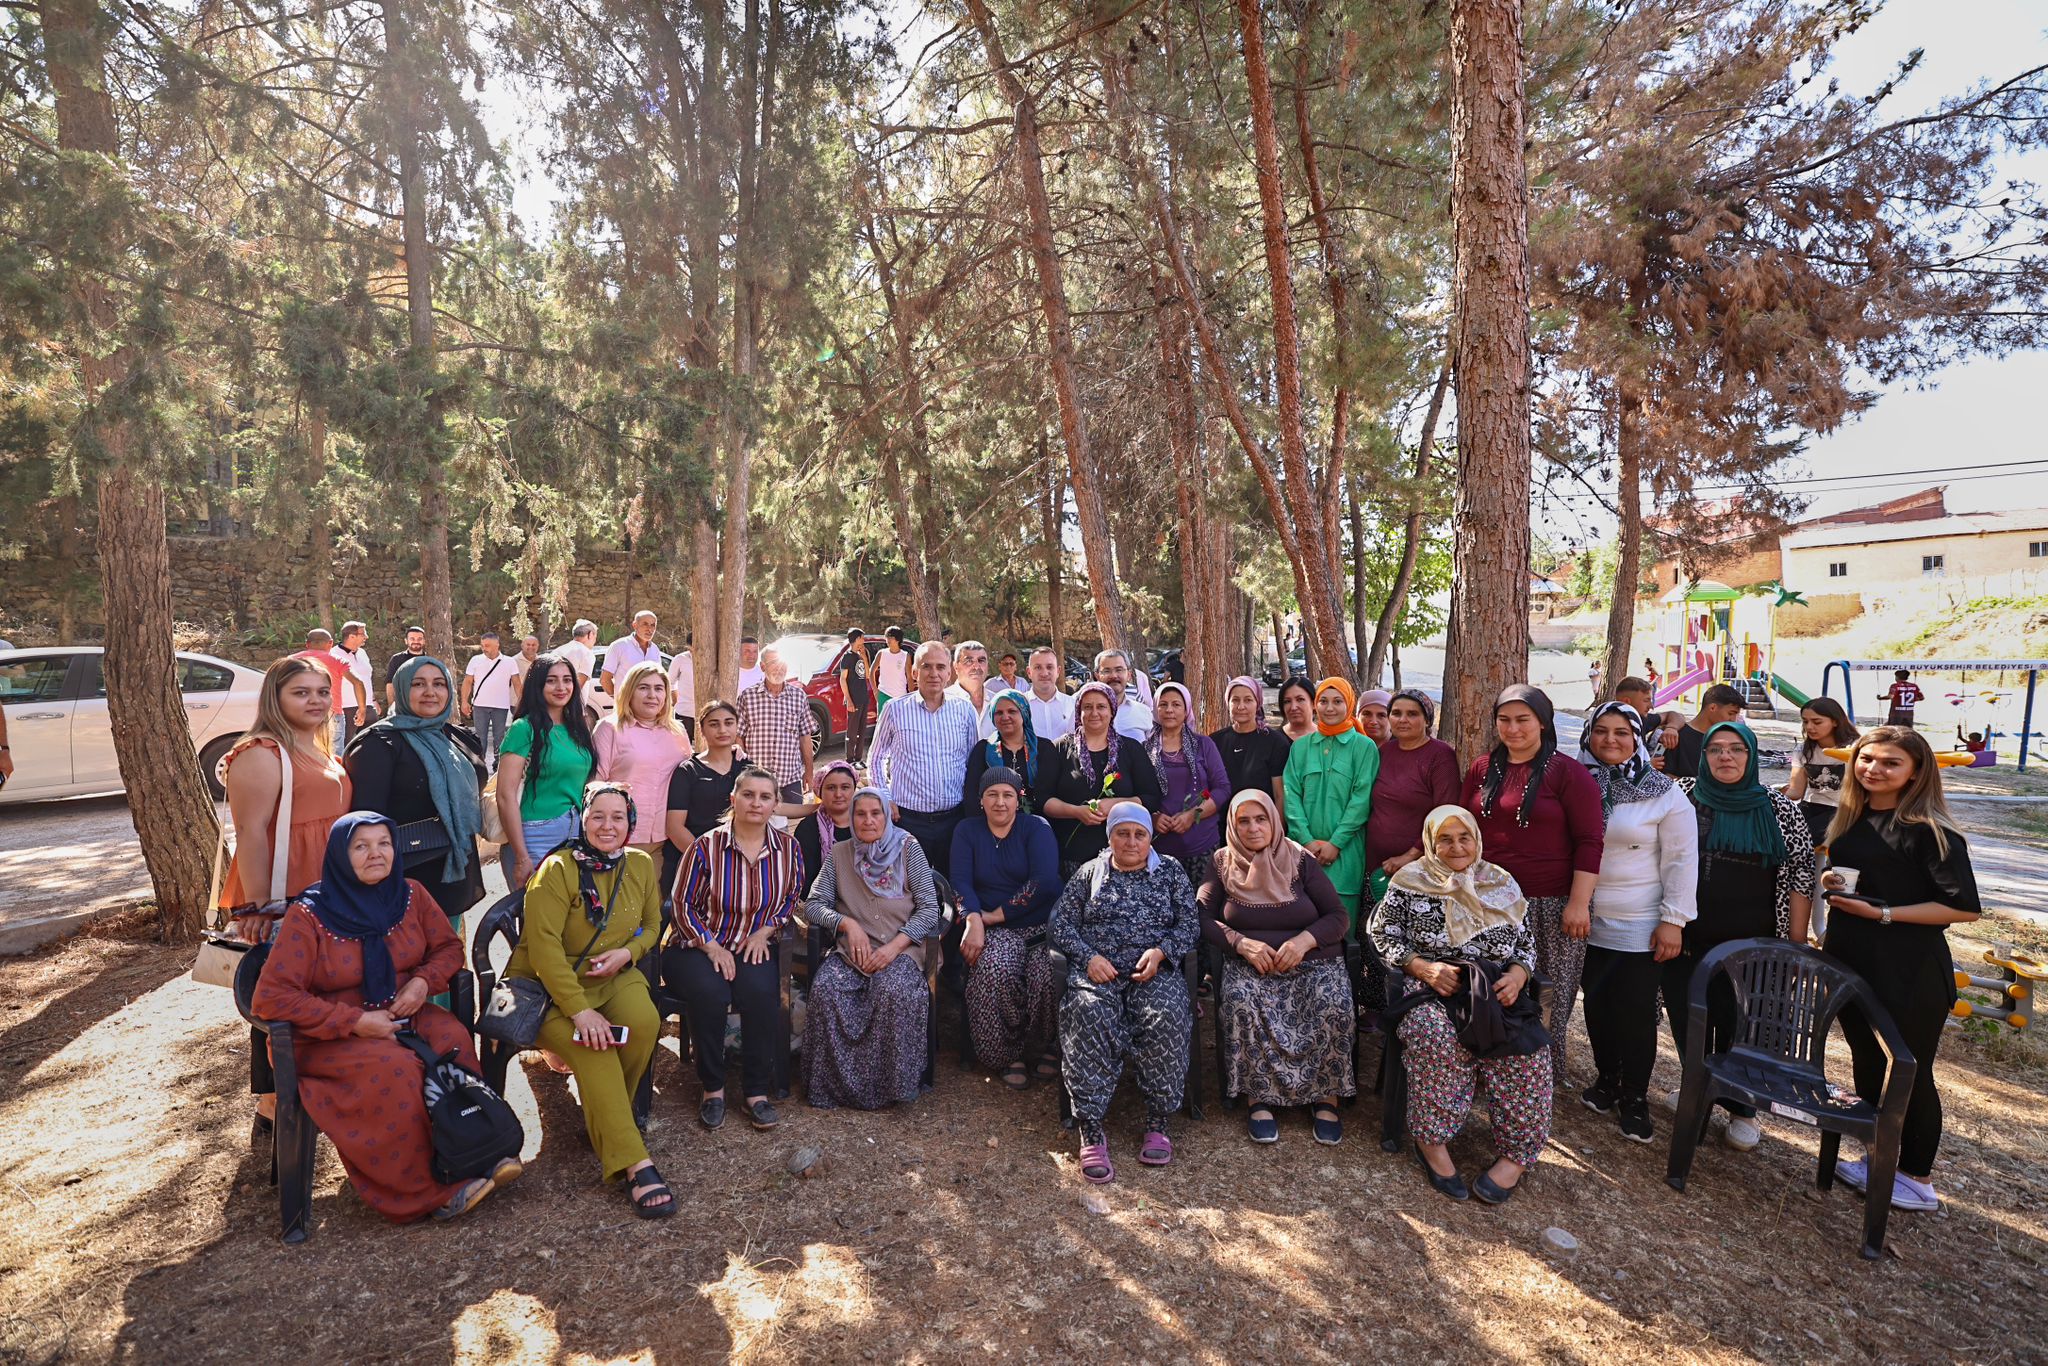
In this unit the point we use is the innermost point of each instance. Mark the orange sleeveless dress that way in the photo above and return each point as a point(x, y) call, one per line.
point(320, 796)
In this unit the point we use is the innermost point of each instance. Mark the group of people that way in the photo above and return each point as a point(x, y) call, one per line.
point(1089, 842)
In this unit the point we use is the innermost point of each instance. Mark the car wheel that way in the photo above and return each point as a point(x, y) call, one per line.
point(822, 715)
point(213, 765)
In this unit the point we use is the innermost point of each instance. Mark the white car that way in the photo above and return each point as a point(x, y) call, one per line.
point(597, 703)
point(62, 743)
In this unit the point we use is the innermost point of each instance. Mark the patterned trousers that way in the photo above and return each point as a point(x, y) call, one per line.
point(1103, 1023)
point(1013, 995)
point(1443, 1078)
point(1562, 961)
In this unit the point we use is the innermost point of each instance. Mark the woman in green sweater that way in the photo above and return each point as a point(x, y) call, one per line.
point(1328, 782)
point(593, 910)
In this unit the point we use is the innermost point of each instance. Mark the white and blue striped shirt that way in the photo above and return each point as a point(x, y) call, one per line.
point(919, 756)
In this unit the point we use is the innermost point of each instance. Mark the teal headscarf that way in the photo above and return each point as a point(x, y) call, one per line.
point(451, 774)
point(1744, 820)
point(995, 746)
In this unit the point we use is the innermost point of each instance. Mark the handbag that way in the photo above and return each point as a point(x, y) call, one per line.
point(419, 841)
point(220, 951)
point(518, 1005)
point(472, 1127)
point(491, 822)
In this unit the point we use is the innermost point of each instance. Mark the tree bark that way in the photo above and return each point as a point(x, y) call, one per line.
point(1059, 337)
point(1488, 645)
point(1177, 387)
point(67, 565)
point(707, 652)
point(1368, 678)
point(1053, 509)
point(924, 599)
point(1386, 630)
point(321, 545)
point(174, 819)
point(1628, 559)
point(1322, 606)
point(914, 535)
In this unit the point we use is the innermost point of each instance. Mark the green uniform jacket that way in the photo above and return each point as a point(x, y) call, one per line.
point(556, 929)
point(1329, 794)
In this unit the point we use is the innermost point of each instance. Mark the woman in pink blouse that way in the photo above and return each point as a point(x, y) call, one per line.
point(640, 744)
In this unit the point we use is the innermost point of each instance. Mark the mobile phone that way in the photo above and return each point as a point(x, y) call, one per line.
point(619, 1033)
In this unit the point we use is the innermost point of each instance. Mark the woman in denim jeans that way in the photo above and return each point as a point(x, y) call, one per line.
point(543, 764)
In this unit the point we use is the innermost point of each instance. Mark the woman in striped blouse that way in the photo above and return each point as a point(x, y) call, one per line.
point(741, 883)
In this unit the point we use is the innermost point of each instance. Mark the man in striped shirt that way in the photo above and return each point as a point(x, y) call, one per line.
point(920, 753)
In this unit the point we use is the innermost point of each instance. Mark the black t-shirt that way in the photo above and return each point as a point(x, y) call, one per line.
point(853, 671)
point(810, 838)
point(1253, 759)
point(397, 662)
point(1737, 900)
point(387, 776)
point(1899, 863)
point(703, 795)
point(1684, 761)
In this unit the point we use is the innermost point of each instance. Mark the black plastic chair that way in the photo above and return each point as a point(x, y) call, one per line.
point(1787, 997)
point(1191, 1092)
point(1214, 957)
point(293, 1133)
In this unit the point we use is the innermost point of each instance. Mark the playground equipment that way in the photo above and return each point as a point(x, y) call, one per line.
point(1990, 699)
point(1710, 633)
point(2014, 985)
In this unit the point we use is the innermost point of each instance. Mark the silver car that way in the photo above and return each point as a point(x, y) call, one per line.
point(62, 742)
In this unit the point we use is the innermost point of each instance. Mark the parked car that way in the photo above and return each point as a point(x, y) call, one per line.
point(813, 660)
point(62, 742)
point(1275, 675)
point(1166, 666)
point(597, 703)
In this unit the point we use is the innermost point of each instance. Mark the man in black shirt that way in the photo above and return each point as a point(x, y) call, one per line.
point(1717, 704)
point(853, 690)
point(415, 645)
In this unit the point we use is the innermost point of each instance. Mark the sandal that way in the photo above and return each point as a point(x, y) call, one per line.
point(1015, 1077)
point(1156, 1150)
point(644, 1186)
point(1262, 1126)
point(1095, 1163)
point(1048, 1068)
point(465, 1199)
point(507, 1171)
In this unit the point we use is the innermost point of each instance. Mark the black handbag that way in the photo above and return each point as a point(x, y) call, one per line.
point(518, 1005)
point(419, 841)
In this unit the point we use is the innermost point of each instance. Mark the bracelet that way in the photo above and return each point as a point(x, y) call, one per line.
point(1884, 915)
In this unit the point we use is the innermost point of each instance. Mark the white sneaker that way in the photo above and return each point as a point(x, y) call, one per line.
point(1742, 1134)
point(1855, 1175)
point(1915, 1195)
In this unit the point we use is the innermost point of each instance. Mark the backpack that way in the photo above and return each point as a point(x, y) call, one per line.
point(474, 1129)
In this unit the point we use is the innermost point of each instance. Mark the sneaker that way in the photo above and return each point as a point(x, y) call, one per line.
point(1855, 1175)
point(1915, 1195)
point(1742, 1133)
point(1635, 1120)
point(1601, 1097)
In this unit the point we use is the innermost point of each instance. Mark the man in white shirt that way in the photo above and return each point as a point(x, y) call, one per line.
point(682, 688)
point(750, 662)
point(581, 651)
point(1006, 673)
point(529, 650)
point(487, 696)
point(1052, 711)
point(970, 682)
point(892, 669)
point(354, 652)
point(637, 648)
point(1133, 716)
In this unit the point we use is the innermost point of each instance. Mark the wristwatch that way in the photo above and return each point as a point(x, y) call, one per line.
point(1884, 915)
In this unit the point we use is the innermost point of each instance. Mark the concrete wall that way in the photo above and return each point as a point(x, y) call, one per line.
point(1992, 564)
point(1756, 566)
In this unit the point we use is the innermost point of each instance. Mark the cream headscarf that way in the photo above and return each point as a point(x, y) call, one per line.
point(1267, 877)
point(1482, 896)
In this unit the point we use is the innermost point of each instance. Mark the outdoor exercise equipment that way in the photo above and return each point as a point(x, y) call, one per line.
point(1989, 696)
point(2014, 986)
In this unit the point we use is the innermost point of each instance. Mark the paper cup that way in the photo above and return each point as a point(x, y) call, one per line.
point(1848, 878)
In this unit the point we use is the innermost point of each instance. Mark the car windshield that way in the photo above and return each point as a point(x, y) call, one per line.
point(806, 655)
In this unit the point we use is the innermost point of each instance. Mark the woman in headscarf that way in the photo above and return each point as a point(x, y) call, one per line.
point(831, 820)
point(427, 774)
point(593, 911)
point(1254, 753)
point(867, 1011)
point(1418, 773)
point(1014, 744)
point(1097, 769)
point(1539, 815)
point(1329, 784)
point(1297, 708)
point(1649, 871)
point(1192, 778)
point(1372, 714)
point(1756, 880)
point(1445, 915)
point(1006, 866)
point(1124, 923)
point(1285, 993)
point(359, 951)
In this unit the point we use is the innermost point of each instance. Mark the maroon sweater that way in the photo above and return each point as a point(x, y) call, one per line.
point(1565, 830)
point(1315, 907)
point(1412, 783)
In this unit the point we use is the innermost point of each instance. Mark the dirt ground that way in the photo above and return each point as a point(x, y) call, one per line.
point(139, 1227)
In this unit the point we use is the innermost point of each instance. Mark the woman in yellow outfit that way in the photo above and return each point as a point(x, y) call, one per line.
point(593, 910)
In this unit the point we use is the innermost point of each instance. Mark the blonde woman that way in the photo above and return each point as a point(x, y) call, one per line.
point(639, 746)
point(293, 734)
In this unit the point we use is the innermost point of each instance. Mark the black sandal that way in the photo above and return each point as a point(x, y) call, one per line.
point(1015, 1077)
point(643, 1186)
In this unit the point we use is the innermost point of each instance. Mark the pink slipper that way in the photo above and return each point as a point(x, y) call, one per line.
point(1156, 1150)
point(1095, 1164)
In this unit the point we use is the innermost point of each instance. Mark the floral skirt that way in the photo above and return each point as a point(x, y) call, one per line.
point(1288, 1036)
point(864, 1037)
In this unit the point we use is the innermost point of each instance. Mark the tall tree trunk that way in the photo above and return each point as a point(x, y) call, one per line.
point(67, 565)
point(1488, 645)
point(1628, 559)
point(1368, 679)
point(738, 428)
point(707, 650)
point(914, 535)
point(1322, 606)
point(322, 539)
point(1053, 516)
point(1177, 387)
point(1059, 337)
point(1391, 611)
point(924, 599)
point(174, 820)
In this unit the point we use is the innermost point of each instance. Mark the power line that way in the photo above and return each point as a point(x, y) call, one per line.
point(1840, 483)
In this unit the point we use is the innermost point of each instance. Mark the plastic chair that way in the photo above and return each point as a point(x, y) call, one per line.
point(293, 1133)
point(1786, 999)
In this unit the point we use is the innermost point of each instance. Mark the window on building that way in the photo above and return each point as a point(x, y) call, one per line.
point(2037, 550)
point(1838, 569)
point(1933, 566)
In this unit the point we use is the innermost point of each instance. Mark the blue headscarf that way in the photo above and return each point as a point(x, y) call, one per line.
point(361, 912)
point(995, 744)
point(451, 773)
